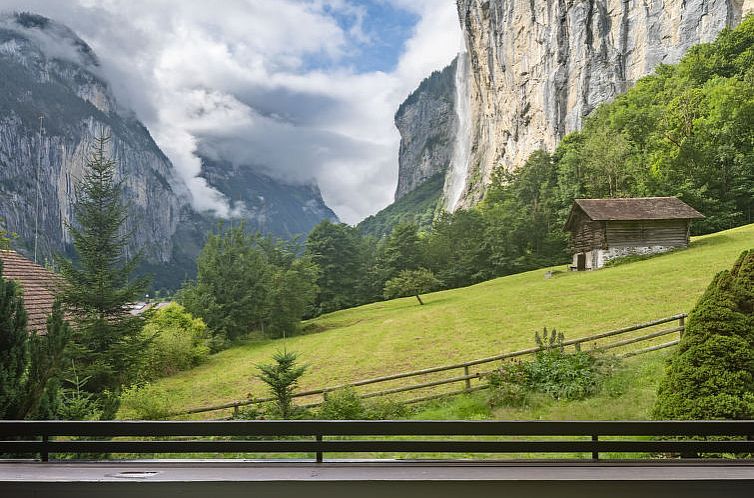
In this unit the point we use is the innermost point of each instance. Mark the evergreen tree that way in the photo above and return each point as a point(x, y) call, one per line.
point(29, 363)
point(402, 250)
point(711, 375)
point(107, 347)
point(47, 354)
point(14, 351)
point(294, 291)
point(336, 250)
point(282, 379)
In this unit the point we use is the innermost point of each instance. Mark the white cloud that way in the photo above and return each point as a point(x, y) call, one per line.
point(233, 79)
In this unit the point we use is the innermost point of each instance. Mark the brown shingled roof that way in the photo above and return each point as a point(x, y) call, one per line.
point(38, 284)
point(637, 208)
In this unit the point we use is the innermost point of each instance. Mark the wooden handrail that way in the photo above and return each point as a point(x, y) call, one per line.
point(687, 438)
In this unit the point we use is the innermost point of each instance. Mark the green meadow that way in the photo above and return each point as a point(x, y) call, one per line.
point(481, 320)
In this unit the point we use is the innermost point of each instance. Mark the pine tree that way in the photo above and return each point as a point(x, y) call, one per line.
point(14, 351)
point(29, 363)
point(282, 379)
point(98, 287)
point(46, 357)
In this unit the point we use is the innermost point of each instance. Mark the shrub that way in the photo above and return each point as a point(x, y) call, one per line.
point(711, 375)
point(384, 409)
point(178, 342)
point(144, 403)
point(553, 371)
point(343, 404)
point(346, 404)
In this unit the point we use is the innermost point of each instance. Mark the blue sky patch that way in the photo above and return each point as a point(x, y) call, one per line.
point(387, 29)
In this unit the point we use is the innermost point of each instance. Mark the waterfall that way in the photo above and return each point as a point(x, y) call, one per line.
point(455, 182)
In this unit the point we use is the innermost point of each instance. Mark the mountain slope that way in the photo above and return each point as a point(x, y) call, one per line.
point(47, 71)
point(268, 205)
point(477, 321)
point(75, 104)
point(417, 206)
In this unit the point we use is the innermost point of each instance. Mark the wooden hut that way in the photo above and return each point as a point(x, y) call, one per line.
point(605, 229)
point(38, 283)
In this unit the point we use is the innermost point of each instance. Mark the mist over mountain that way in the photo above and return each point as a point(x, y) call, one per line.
point(53, 100)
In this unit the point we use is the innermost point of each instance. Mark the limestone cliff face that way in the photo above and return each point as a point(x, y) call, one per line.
point(427, 122)
point(48, 71)
point(540, 67)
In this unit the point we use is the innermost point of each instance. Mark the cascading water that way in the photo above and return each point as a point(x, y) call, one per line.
point(455, 182)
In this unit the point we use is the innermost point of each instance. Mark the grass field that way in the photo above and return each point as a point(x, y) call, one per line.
point(460, 324)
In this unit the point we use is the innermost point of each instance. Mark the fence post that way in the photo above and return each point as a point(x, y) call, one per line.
point(682, 325)
point(320, 455)
point(466, 373)
point(235, 411)
point(595, 454)
point(45, 453)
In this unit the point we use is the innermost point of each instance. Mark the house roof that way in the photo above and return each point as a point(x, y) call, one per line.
point(38, 284)
point(635, 208)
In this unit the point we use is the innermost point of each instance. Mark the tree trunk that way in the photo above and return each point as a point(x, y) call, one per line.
point(419, 299)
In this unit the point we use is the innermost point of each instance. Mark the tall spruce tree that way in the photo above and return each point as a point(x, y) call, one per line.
point(107, 346)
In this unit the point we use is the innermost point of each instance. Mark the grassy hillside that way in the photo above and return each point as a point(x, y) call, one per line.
point(494, 316)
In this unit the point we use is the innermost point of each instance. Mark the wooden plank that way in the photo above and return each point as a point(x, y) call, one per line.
point(14, 429)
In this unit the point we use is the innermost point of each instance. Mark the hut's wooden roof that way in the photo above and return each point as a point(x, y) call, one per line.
point(38, 284)
point(634, 208)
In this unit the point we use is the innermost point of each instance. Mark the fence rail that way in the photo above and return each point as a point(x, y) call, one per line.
point(467, 376)
point(319, 437)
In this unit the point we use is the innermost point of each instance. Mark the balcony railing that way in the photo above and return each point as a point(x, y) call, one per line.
point(315, 438)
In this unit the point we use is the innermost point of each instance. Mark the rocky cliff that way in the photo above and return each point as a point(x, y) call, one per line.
point(427, 123)
point(538, 68)
point(47, 71)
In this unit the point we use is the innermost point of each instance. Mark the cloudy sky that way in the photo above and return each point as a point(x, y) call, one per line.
point(304, 90)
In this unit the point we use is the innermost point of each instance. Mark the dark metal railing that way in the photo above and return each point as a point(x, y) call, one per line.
point(680, 438)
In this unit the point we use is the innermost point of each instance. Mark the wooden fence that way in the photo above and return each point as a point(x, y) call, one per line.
point(434, 382)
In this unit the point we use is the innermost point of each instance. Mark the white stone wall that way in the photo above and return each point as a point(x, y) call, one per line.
point(597, 258)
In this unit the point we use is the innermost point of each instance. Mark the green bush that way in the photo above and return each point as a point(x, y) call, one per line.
point(343, 404)
point(509, 394)
point(346, 404)
point(384, 409)
point(144, 403)
point(178, 342)
point(711, 375)
point(553, 371)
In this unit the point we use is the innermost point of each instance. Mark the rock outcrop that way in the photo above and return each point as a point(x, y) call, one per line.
point(427, 122)
point(540, 67)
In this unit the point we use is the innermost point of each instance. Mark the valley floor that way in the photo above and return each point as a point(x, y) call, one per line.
point(485, 319)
